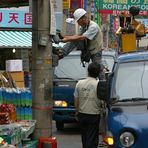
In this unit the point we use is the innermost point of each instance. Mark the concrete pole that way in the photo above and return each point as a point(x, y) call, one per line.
point(88, 8)
point(42, 72)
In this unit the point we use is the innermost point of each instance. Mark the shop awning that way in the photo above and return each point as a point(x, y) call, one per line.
point(15, 39)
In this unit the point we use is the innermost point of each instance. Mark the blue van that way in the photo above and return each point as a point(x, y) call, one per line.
point(126, 93)
point(66, 75)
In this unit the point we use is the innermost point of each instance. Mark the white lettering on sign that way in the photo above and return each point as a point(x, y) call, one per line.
point(123, 7)
point(108, 1)
point(135, 1)
point(117, 12)
point(121, 1)
point(146, 2)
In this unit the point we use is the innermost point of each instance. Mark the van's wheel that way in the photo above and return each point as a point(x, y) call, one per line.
point(59, 125)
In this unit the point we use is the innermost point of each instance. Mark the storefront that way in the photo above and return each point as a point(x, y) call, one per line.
point(15, 36)
point(16, 123)
point(15, 45)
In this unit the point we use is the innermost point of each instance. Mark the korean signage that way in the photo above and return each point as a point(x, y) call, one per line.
point(120, 5)
point(15, 19)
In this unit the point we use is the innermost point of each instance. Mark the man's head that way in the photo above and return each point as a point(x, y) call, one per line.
point(94, 69)
point(79, 13)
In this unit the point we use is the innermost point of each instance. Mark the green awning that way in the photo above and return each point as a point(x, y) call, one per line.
point(15, 39)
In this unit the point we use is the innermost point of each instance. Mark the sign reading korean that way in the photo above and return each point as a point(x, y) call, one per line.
point(15, 19)
point(120, 5)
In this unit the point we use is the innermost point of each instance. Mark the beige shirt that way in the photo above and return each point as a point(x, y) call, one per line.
point(86, 92)
point(94, 35)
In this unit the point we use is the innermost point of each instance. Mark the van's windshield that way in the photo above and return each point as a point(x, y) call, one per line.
point(108, 62)
point(70, 67)
point(131, 81)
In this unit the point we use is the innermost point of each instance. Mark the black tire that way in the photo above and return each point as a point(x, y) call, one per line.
point(59, 125)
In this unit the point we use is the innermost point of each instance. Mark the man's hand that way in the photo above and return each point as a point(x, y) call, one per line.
point(65, 39)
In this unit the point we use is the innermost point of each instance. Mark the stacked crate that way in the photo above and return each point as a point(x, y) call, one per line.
point(18, 78)
point(15, 69)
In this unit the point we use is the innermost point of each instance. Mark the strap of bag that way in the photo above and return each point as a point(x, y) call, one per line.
point(85, 46)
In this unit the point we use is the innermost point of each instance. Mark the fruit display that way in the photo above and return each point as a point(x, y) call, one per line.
point(4, 118)
point(7, 113)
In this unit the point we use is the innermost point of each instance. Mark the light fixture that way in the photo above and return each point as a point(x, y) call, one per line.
point(59, 103)
point(13, 50)
point(127, 139)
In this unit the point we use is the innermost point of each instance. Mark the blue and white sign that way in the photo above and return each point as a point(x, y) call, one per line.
point(15, 19)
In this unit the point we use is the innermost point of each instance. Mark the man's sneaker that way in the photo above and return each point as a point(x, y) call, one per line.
point(58, 52)
point(60, 36)
point(56, 39)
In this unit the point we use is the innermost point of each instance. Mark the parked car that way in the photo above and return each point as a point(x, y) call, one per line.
point(66, 75)
point(127, 101)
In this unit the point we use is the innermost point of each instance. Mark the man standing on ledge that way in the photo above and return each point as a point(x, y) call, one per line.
point(89, 40)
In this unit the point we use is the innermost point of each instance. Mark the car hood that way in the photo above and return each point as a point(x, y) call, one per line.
point(131, 115)
point(133, 118)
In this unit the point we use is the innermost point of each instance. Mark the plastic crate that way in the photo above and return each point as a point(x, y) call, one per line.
point(51, 140)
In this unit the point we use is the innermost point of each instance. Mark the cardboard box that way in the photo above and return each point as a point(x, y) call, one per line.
point(14, 65)
point(20, 84)
point(17, 76)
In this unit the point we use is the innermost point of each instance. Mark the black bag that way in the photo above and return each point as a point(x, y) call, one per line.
point(85, 55)
point(102, 90)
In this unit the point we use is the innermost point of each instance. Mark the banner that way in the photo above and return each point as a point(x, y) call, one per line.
point(15, 19)
point(113, 6)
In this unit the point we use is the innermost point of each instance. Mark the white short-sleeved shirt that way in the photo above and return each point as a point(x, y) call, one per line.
point(86, 90)
point(94, 35)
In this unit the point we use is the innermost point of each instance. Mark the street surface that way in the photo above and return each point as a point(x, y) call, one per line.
point(69, 137)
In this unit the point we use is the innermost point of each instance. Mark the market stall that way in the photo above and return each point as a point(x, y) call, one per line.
point(17, 133)
point(16, 124)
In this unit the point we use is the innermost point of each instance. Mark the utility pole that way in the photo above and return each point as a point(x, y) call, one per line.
point(42, 72)
point(88, 8)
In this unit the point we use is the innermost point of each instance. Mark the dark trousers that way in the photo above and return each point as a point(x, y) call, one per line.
point(89, 125)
